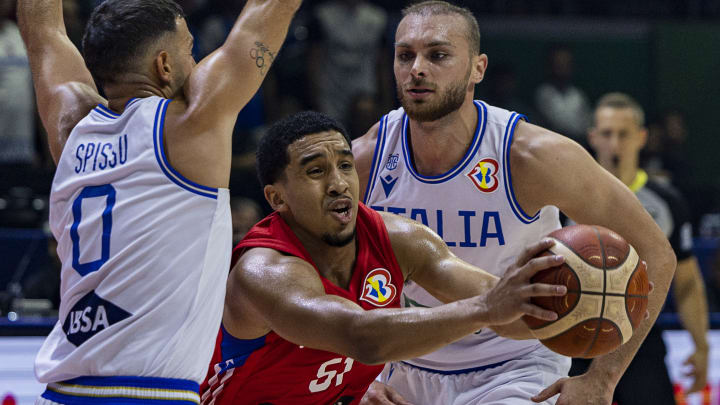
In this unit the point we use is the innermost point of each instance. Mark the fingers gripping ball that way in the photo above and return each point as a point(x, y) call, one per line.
point(607, 292)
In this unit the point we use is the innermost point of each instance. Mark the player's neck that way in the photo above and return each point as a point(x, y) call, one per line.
point(438, 146)
point(628, 172)
point(334, 263)
point(133, 86)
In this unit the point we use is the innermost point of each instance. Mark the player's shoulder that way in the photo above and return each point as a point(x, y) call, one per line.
point(264, 261)
point(495, 116)
point(404, 231)
point(533, 141)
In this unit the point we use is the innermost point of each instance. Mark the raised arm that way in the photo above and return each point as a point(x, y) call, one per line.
point(270, 291)
point(549, 169)
point(64, 89)
point(222, 83)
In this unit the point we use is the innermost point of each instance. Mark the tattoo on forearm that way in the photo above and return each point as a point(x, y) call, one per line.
point(263, 57)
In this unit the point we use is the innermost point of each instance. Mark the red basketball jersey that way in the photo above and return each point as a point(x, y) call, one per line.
point(272, 370)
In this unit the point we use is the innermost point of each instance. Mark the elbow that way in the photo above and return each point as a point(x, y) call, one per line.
point(666, 264)
point(367, 350)
point(366, 345)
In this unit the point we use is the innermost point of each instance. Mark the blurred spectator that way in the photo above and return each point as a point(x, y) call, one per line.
point(44, 282)
point(652, 155)
point(17, 104)
point(245, 213)
point(563, 107)
point(675, 158)
point(347, 51)
point(363, 114)
point(503, 91)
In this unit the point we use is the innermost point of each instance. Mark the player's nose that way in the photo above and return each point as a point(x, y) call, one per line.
point(337, 182)
point(419, 67)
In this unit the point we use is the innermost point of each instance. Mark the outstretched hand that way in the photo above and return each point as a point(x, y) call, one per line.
point(510, 298)
point(580, 390)
point(698, 362)
point(381, 394)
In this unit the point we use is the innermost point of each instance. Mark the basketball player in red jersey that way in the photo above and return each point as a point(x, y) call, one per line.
point(300, 325)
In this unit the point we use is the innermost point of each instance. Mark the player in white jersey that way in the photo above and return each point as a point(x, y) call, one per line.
point(139, 204)
point(487, 181)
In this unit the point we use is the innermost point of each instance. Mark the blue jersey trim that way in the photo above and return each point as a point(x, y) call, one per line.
point(509, 192)
point(460, 166)
point(103, 113)
point(375, 166)
point(93, 385)
point(73, 400)
point(131, 102)
point(108, 111)
point(138, 382)
point(239, 349)
point(169, 171)
point(455, 372)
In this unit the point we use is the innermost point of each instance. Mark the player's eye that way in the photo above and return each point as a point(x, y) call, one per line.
point(404, 56)
point(439, 55)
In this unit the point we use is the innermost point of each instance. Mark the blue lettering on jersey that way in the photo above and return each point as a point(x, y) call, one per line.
point(490, 225)
point(495, 217)
point(90, 315)
point(103, 155)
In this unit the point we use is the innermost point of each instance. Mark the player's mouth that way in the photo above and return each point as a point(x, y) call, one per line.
point(419, 92)
point(341, 210)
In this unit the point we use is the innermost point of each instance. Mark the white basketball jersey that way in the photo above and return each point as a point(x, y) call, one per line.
point(145, 254)
point(472, 207)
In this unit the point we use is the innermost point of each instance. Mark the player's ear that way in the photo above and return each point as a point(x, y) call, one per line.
point(163, 70)
point(480, 64)
point(274, 197)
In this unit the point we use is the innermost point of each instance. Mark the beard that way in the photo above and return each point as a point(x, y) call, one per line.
point(338, 240)
point(450, 101)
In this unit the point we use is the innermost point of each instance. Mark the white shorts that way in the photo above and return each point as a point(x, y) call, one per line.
point(511, 383)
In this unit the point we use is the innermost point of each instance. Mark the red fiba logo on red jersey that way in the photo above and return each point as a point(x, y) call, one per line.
point(484, 175)
point(378, 289)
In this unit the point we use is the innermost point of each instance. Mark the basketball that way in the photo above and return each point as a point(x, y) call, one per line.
point(607, 292)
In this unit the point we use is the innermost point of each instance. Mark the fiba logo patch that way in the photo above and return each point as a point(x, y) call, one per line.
point(392, 161)
point(378, 289)
point(484, 175)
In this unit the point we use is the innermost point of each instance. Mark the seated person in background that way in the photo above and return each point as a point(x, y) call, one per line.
point(299, 325)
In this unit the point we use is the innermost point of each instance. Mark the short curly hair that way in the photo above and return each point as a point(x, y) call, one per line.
point(272, 156)
point(119, 31)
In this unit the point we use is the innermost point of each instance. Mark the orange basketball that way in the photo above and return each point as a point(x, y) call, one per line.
point(607, 294)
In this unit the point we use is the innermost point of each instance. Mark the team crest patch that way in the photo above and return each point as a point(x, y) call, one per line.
point(484, 175)
point(378, 288)
point(392, 161)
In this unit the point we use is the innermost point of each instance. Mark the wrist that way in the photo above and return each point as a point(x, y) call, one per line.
point(480, 312)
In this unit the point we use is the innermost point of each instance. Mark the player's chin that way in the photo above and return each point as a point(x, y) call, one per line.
point(341, 238)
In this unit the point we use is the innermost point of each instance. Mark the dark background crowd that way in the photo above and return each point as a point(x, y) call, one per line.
point(549, 59)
